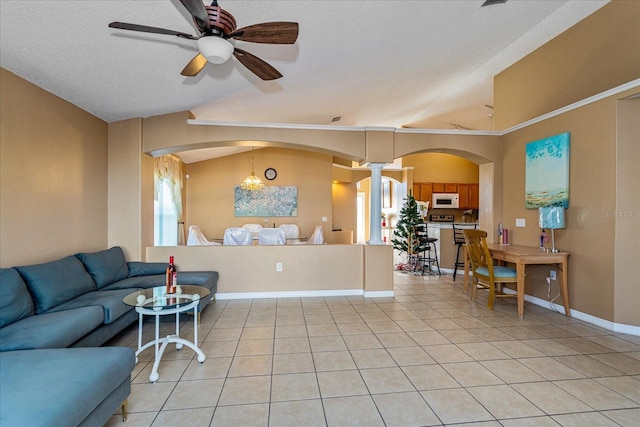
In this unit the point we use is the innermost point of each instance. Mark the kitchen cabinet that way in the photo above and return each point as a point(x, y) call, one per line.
point(463, 192)
point(444, 187)
point(426, 191)
point(469, 196)
point(416, 191)
point(469, 193)
point(422, 191)
point(474, 196)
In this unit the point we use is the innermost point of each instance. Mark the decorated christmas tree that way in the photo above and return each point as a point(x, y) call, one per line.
point(405, 239)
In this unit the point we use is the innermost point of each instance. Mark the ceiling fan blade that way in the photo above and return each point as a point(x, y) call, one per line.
point(194, 66)
point(145, 29)
point(256, 65)
point(197, 10)
point(492, 2)
point(268, 32)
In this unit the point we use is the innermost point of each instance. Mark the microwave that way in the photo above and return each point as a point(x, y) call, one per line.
point(445, 200)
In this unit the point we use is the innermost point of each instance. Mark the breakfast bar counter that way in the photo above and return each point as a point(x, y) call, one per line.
point(443, 231)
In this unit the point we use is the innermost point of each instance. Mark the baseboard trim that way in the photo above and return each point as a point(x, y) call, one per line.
point(379, 294)
point(303, 294)
point(605, 324)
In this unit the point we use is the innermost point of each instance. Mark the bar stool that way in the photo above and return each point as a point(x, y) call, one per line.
point(427, 243)
point(458, 240)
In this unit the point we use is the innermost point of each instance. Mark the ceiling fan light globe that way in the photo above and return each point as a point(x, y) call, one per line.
point(216, 49)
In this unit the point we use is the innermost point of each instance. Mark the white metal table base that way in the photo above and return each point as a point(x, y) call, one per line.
point(180, 342)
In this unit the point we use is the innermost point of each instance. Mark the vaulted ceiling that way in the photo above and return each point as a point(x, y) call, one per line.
point(422, 64)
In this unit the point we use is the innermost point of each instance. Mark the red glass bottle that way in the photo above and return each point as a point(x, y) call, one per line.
point(171, 278)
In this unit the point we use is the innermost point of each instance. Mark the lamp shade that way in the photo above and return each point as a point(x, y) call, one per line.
point(551, 217)
point(216, 49)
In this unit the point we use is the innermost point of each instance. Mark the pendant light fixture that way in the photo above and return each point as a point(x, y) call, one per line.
point(252, 182)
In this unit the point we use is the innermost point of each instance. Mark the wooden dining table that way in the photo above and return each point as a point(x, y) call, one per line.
point(522, 256)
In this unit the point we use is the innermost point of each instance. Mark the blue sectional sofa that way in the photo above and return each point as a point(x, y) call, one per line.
point(75, 301)
point(64, 386)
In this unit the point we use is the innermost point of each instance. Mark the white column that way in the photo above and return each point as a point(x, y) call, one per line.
point(375, 209)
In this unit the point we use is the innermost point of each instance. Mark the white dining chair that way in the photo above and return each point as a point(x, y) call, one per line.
point(254, 228)
point(291, 231)
point(238, 236)
point(316, 238)
point(197, 238)
point(271, 236)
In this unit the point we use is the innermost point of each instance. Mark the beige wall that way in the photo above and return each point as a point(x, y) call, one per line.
point(627, 213)
point(130, 178)
point(343, 203)
point(210, 189)
point(53, 176)
point(441, 167)
point(252, 269)
point(588, 236)
point(171, 132)
point(377, 276)
point(599, 53)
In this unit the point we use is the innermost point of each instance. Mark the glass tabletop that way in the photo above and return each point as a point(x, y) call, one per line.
point(158, 298)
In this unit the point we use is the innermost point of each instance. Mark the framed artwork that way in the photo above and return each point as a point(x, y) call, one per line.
point(271, 201)
point(386, 193)
point(547, 172)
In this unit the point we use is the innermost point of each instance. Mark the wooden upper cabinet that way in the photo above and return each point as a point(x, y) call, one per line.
point(416, 191)
point(474, 196)
point(469, 196)
point(438, 187)
point(426, 190)
point(422, 191)
point(469, 193)
point(445, 187)
point(463, 191)
point(451, 188)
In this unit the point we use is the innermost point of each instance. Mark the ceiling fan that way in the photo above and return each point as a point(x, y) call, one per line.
point(216, 26)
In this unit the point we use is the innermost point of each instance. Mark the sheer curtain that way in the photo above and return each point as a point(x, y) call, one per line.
point(169, 169)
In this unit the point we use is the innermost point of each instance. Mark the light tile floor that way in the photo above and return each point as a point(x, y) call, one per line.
point(428, 356)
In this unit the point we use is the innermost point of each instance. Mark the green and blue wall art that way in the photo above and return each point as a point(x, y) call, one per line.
point(271, 201)
point(547, 172)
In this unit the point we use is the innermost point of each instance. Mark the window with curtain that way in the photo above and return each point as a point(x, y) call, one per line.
point(168, 181)
point(165, 227)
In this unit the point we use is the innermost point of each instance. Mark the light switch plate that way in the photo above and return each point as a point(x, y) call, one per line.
point(521, 222)
point(324, 219)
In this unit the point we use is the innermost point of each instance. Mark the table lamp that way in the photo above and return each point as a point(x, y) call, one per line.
point(551, 217)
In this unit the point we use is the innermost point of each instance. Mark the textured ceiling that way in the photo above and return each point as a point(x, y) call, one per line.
point(424, 64)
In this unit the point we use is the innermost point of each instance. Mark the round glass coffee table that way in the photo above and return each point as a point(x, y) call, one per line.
point(156, 302)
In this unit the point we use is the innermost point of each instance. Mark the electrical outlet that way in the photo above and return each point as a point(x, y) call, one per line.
point(324, 219)
point(521, 222)
point(278, 266)
point(552, 274)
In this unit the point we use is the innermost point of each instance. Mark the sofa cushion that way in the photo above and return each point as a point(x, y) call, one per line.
point(51, 330)
point(56, 282)
point(140, 282)
point(146, 268)
point(106, 267)
point(109, 300)
point(63, 387)
point(208, 279)
point(16, 302)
